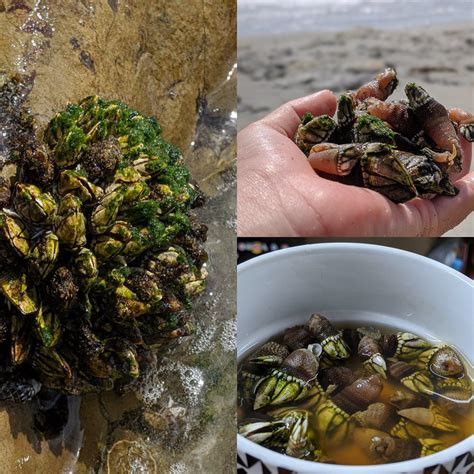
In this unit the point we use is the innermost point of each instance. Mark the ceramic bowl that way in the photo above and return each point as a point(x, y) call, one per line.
point(359, 283)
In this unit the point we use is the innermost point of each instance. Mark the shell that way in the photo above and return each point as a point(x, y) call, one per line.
point(380, 88)
point(369, 352)
point(410, 376)
point(434, 119)
point(443, 362)
point(432, 417)
point(329, 337)
point(337, 376)
point(297, 337)
point(359, 394)
point(389, 449)
point(380, 416)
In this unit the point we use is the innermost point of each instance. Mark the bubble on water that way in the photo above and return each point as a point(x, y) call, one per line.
point(204, 337)
point(178, 468)
point(130, 456)
point(228, 336)
point(151, 388)
point(192, 379)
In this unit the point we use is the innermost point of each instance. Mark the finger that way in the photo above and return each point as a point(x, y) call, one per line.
point(466, 166)
point(286, 118)
point(453, 210)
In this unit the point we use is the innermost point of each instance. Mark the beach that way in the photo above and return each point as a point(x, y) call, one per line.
point(279, 68)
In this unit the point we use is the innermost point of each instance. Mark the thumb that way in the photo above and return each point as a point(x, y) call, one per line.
point(286, 118)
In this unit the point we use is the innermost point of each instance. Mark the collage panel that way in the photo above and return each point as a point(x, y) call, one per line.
point(355, 118)
point(117, 236)
point(354, 355)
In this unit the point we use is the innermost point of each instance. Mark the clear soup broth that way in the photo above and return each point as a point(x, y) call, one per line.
point(336, 424)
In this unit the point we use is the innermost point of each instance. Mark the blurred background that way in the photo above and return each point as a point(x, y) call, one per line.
point(291, 48)
point(458, 253)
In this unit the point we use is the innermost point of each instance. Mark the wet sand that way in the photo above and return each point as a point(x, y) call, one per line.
point(273, 70)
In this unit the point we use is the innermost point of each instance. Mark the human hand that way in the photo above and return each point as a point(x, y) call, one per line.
point(279, 193)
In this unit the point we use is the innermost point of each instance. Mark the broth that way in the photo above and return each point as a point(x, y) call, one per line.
point(353, 451)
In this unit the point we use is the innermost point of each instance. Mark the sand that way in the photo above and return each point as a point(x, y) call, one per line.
point(273, 70)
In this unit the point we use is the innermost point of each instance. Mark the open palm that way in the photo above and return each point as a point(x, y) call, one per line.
point(279, 194)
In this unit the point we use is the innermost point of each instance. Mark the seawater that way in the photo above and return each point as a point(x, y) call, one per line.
point(273, 17)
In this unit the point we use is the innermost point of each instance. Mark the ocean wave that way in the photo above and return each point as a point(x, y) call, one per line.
point(263, 17)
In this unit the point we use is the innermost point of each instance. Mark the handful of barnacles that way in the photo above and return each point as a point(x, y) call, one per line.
point(402, 149)
point(100, 253)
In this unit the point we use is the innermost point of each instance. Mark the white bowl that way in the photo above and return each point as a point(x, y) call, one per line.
point(361, 283)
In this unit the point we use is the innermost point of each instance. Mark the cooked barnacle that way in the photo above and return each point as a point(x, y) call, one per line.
point(441, 361)
point(370, 353)
point(265, 432)
point(454, 394)
point(70, 225)
point(434, 120)
point(432, 417)
point(270, 354)
point(378, 416)
point(332, 415)
point(287, 432)
point(14, 231)
point(299, 446)
point(390, 449)
point(294, 380)
point(33, 205)
point(380, 88)
point(297, 337)
point(43, 256)
point(406, 429)
point(383, 417)
point(74, 182)
point(248, 381)
point(338, 377)
point(403, 345)
point(403, 399)
point(359, 394)
point(329, 337)
point(410, 376)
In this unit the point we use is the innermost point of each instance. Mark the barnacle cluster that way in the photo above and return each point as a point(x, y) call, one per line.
point(316, 388)
point(402, 149)
point(100, 252)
